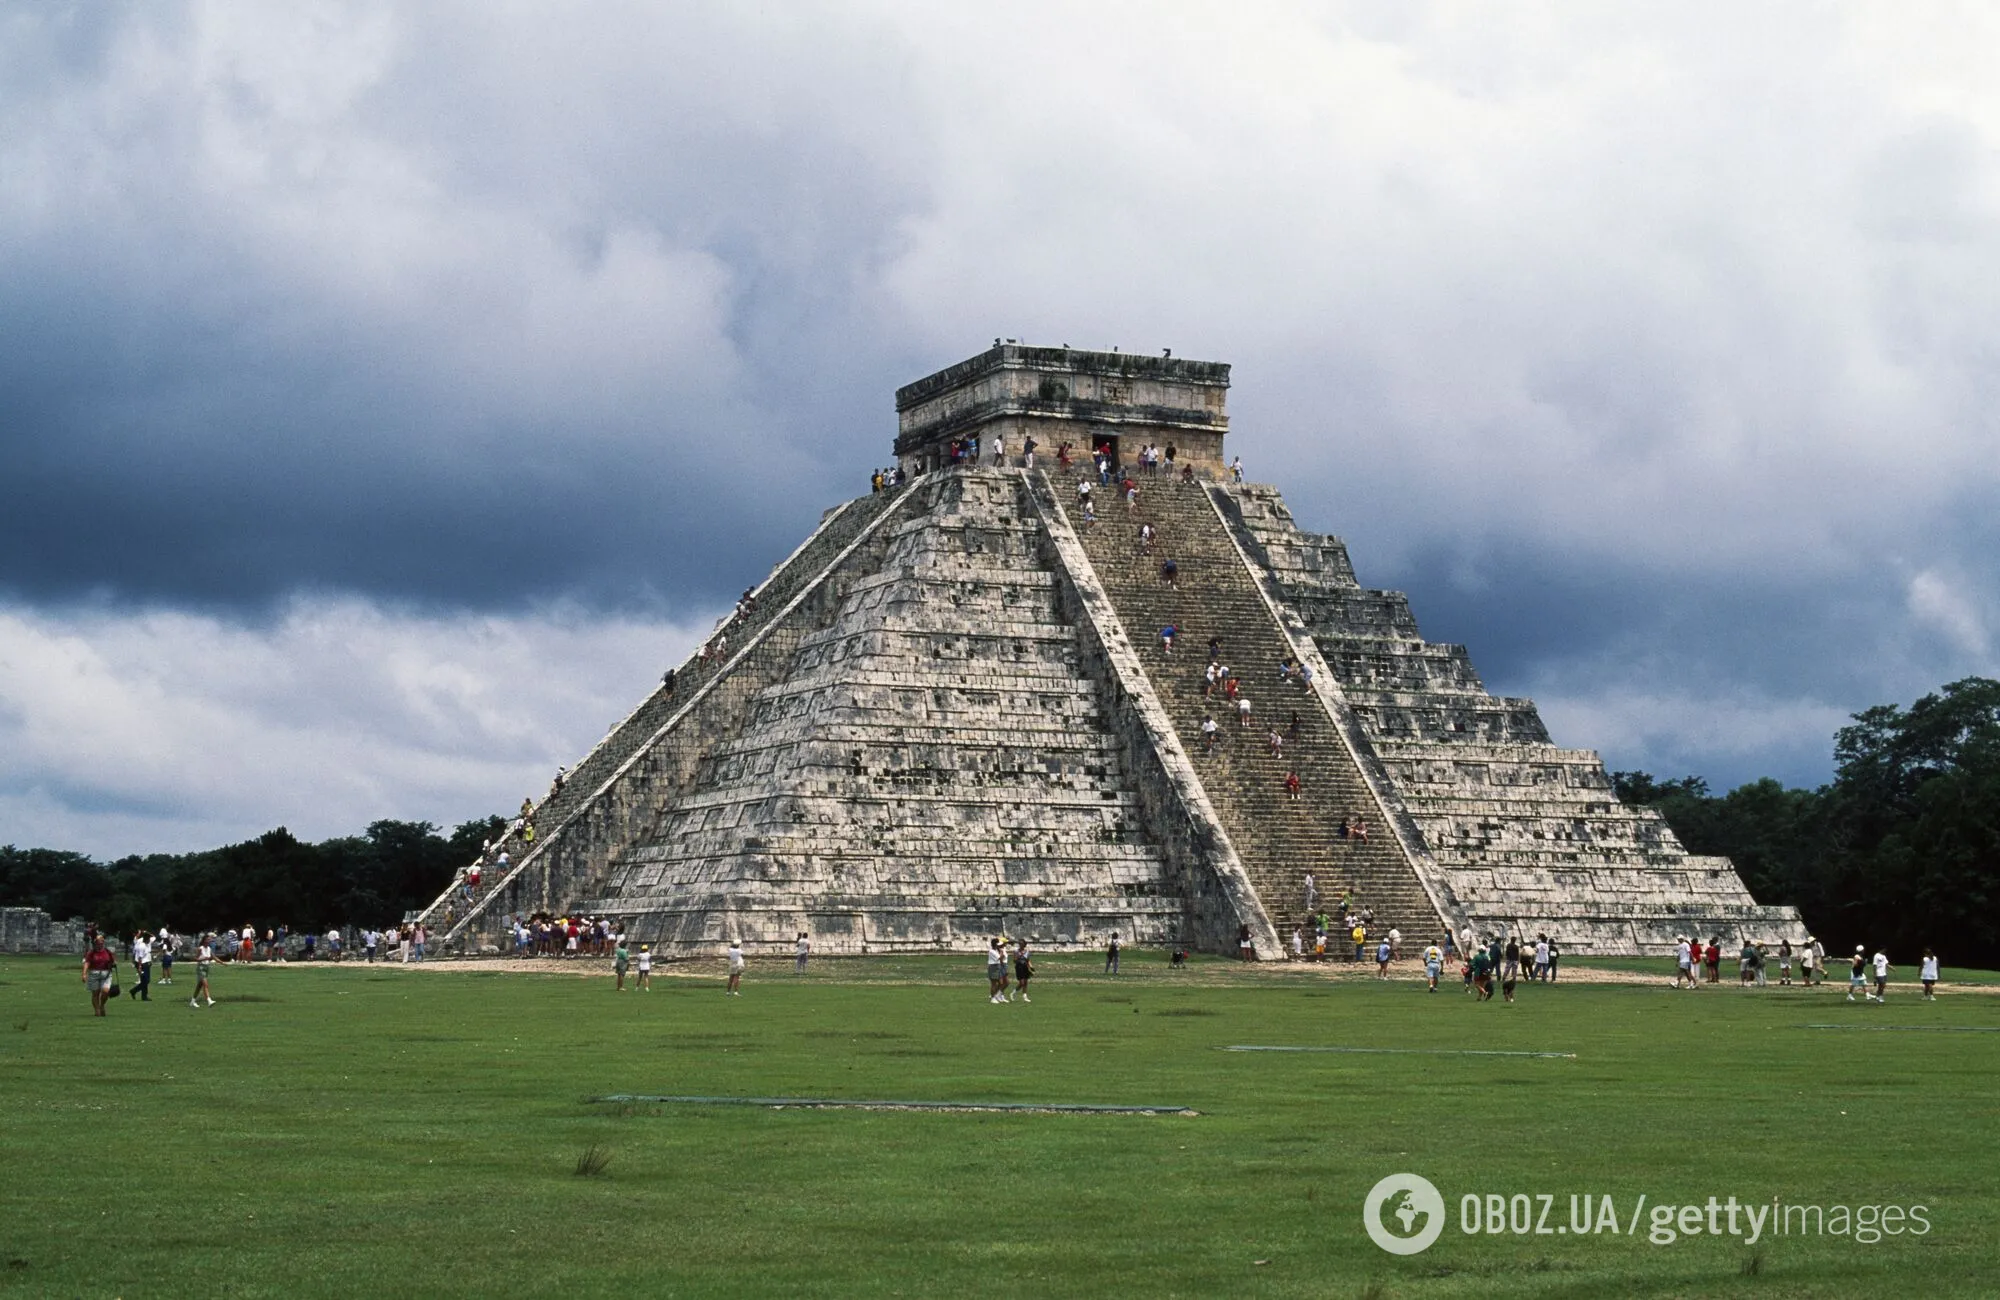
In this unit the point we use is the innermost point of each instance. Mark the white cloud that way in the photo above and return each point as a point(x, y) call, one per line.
point(1675, 730)
point(1947, 607)
point(158, 730)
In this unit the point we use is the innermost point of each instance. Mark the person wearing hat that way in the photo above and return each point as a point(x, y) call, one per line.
point(644, 979)
point(735, 989)
point(1857, 975)
point(620, 959)
point(1684, 962)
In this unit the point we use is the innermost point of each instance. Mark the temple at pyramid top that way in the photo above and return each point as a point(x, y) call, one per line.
point(1066, 395)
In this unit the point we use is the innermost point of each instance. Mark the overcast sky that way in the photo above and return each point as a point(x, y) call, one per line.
point(389, 392)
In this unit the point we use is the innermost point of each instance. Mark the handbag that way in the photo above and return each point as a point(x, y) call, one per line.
point(114, 990)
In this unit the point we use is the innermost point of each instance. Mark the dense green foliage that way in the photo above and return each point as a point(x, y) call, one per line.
point(275, 879)
point(1900, 850)
point(361, 1131)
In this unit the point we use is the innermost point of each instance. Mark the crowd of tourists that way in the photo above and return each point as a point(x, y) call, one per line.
point(105, 954)
point(1696, 964)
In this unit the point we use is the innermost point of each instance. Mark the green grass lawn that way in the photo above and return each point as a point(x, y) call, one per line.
point(326, 1131)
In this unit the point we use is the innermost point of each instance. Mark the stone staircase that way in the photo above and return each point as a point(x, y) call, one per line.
point(697, 706)
point(1278, 840)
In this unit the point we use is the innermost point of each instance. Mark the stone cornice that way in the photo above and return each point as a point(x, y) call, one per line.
point(1016, 356)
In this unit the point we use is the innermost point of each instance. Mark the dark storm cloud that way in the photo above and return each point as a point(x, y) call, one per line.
point(421, 335)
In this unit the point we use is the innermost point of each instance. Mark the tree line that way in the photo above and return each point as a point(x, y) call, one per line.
point(275, 879)
point(1900, 851)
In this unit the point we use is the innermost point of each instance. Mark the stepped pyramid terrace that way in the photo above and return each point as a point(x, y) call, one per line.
point(950, 714)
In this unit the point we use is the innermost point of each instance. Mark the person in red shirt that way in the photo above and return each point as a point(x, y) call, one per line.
point(1714, 959)
point(100, 968)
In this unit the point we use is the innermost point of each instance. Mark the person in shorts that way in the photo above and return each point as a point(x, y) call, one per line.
point(1433, 963)
point(620, 959)
point(164, 944)
point(204, 954)
point(100, 973)
point(735, 989)
point(645, 977)
point(1929, 975)
point(1857, 972)
point(1024, 969)
point(1382, 955)
point(1882, 969)
point(1784, 962)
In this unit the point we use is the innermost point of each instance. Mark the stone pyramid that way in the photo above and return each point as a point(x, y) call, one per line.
point(951, 714)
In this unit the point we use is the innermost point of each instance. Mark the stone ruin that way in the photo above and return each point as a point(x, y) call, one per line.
point(950, 714)
point(28, 929)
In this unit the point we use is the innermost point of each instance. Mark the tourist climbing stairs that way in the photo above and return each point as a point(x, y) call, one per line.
point(1214, 597)
point(741, 644)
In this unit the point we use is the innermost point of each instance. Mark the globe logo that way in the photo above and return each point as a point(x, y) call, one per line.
point(1404, 1214)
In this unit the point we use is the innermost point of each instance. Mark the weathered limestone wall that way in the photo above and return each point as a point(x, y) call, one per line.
point(1531, 836)
point(616, 792)
point(932, 766)
point(1069, 395)
point(26, 929)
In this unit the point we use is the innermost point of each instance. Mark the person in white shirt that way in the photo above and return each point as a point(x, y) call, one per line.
point(735, 968)
point(1682, 969)
point(142, 967)
point(1395, 943)
point(800, 951)
point(1298, 943)
point(1881, 977)
point(164, 945)
point(1929, 975)
point(1541, 956)
point(203, 955)
point(1433, 963)
point(645, 980)
point(996, 971)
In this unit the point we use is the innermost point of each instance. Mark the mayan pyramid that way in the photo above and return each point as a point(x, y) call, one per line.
point(950, 713)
